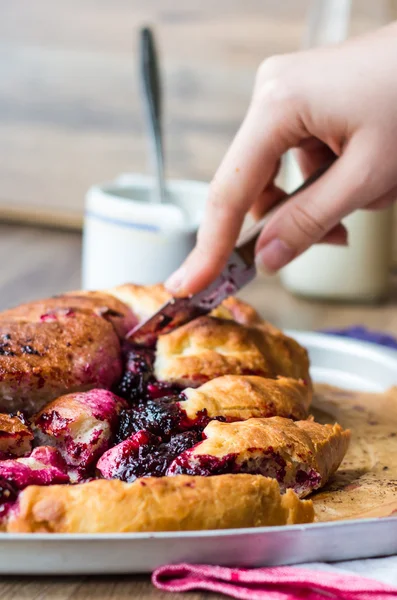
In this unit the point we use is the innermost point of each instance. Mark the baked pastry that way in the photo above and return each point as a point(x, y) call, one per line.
point(209, 347)
point(166, 504)
point(59, 352)
point(228, 398)
point(301, 455)
point(15, 436)
point(206, 428)
point(43, 467)
point(81, 426)
point(102, 304)
point(237, 398)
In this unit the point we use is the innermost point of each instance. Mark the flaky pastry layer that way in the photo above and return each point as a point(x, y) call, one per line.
point(209, 347)
point(301, 455)
point(166, 504)
point(239, 397)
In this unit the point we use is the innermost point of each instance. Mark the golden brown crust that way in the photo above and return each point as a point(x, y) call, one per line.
point(15, 437)
point(66, 351)
point(236, 310)
point(209, 347)
point(71, 343)
point(81, 426)
point(102, 304)
point(239, 397)
point(276, 446)
point(243, 313)
point(143, 300)
point(330, 442)
point(158, 504)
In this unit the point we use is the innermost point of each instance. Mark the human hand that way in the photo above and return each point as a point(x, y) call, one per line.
point(336, 102)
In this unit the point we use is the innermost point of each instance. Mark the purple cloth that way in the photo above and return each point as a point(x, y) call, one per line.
point(358, 332)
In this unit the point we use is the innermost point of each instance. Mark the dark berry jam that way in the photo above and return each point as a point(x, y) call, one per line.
point(269, 464)
point(204, 465)
point(138, 383)
point(161, 417)
point(305, 480)
point(54, 421)
point(153, 457)
point(8, 493)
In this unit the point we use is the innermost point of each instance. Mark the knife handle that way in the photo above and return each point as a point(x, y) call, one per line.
point(246, 243)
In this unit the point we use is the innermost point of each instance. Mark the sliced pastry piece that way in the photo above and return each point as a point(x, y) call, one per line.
point(243, 313)
point(227, 398)
point(142, 300)
point(209, 347)
point(158, 504)
point(300, 455)
point(44, 466)
point(102, 304)
point(81, 426)
point(237, 398)
point(15, 436)
point(56, 353)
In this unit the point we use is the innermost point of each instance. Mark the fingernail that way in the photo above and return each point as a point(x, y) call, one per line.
point(273, 256)
point(174, 283)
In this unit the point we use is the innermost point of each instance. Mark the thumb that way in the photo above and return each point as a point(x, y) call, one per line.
point(310, 215)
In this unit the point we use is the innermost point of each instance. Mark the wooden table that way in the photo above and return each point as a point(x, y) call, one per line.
point(41, 262)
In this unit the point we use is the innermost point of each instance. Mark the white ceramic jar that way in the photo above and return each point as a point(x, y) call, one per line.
point(127, 238)
point(359, 272)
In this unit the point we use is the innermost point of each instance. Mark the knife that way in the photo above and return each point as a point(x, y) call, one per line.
point(239, 270)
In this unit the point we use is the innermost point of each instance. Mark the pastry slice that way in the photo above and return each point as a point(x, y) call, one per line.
point(301, 455)
point(44, 466)
point(237, 398)
point(81, 426)
point(58, 352)
point(227, 398)
point(15, 436)
point(102, 304)
point(209, 347)
point(179, 503)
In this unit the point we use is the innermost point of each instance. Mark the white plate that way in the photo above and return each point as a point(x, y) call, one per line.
point(336, 361)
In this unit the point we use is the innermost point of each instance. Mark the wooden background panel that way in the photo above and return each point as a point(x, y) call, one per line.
point(70, 112)
point(69, 101)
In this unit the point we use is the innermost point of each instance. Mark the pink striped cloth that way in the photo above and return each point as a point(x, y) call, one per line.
point(272, 583)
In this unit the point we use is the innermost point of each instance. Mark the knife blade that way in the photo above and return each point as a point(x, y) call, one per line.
point(238, 272)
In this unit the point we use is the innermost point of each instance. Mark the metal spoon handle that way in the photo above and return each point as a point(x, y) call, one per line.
point(151, 89)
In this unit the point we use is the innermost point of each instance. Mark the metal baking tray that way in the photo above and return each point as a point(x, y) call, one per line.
point(336, 361)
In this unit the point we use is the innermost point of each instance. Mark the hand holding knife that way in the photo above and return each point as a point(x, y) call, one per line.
point(239, 271)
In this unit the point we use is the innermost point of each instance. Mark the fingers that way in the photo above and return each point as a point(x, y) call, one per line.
point(270, 127)
point(338, 236)
point(383, 201)
point(311, 155)
point(312, 214)
point(269, 197)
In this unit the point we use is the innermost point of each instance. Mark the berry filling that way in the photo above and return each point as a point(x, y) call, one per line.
point(144, 454)
point(8, 496)
point(163, 417)
point(268, 463)
point(138, 384)
point(8, 493)
point(44, 466)
point(81, 426)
